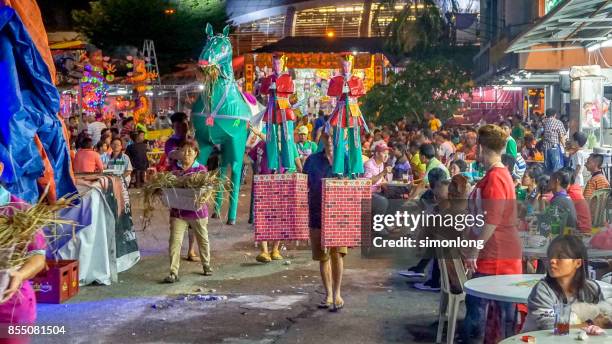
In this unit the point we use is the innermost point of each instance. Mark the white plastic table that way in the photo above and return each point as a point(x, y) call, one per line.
point(540, 252)
point(546, 337)
point(506, 288)
point(511, 288)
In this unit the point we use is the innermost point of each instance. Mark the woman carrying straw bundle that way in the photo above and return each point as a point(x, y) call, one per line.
point(18, 302)
point(181, 220)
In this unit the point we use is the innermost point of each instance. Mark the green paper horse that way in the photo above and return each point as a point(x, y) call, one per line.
point(221, 113)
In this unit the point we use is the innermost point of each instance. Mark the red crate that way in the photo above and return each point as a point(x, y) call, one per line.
point(280, 207)
point(58, 282)
point(346, 212)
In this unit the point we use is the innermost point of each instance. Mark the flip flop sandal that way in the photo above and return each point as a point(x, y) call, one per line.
point(193, 258)
point(324, 305)
point(336, 308)
point(172, 278)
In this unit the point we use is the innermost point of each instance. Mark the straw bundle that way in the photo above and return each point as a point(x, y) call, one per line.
point(18, 225)
point(209, 76)
point(207, 183)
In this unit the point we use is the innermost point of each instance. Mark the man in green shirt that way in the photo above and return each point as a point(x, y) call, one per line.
point(427, 154)
point(518, 131)
point(511, 143)
point(304, 146)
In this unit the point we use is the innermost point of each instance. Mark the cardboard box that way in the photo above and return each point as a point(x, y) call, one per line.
point(280, 207)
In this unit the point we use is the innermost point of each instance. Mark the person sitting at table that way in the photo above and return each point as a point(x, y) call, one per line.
point(530, 182)
point(87, 160)
point(544, 194)
point(457, 167)
point(583, 213)
point(401, 168)
point(565, 283)
point(418, 167)
point(558, 184)
point(598, 180)
point(429, 201)
point(380, 173)
point(117, 161)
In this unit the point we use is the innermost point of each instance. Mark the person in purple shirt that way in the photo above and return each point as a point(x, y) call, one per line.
point(180, 127)
point(181, 220)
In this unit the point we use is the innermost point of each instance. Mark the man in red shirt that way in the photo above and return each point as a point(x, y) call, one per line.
point(583, 213)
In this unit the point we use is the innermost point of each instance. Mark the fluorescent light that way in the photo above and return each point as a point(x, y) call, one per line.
point(606, 44)
point(564, 72)
point(512, 88)
point(509, 82)
point(201, 87)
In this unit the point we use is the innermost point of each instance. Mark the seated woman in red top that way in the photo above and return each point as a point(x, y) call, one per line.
point(583, 213)
point(494, 198)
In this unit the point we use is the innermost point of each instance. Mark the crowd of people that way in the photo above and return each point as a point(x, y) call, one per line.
point(442, 169)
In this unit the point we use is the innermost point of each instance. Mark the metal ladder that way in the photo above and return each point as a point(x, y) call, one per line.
point(148, 51)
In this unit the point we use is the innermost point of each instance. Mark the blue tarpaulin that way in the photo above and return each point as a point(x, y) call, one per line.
point(28, 106)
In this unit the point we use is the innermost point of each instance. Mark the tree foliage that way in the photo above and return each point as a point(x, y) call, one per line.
point(429, 85)
point(178, 36)
point(436, 71)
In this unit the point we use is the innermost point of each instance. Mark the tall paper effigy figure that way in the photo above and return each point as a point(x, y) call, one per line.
point(221, 113)
point(346, 119)
point(280, 201)
point(279, 116)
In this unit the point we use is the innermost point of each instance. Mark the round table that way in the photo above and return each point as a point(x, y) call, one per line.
point(546, 336)
point(540, 252)
point(511, 288)
point(506, 288)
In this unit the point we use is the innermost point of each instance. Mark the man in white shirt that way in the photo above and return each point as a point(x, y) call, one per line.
point(95, 128)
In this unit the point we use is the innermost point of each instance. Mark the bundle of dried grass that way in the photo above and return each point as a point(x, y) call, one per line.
point(19, 223)
point(209, 76)
point(206, 185)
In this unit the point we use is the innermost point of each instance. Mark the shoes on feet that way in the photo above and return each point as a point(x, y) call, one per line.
point(263, 257)
point(427, 286)
point(276, 255)
point(411, 273)
point(172, 278)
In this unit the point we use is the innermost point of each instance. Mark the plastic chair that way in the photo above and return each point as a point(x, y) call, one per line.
point(453, 277)
point(597, 205)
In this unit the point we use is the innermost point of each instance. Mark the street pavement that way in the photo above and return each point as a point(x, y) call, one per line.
point(265, 303)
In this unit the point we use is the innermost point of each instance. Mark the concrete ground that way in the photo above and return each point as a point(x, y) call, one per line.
point(266, 303)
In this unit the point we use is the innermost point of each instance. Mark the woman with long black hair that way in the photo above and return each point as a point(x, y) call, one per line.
point(565, 283)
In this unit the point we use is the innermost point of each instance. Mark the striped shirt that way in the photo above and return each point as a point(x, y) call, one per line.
point(597, 182)
point(553, 130)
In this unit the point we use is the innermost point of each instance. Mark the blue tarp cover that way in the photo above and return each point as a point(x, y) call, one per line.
point(28, 106)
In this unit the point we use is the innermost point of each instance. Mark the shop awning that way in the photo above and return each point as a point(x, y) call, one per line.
point(573, 24)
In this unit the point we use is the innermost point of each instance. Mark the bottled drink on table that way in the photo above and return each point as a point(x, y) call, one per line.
point(555, 224)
